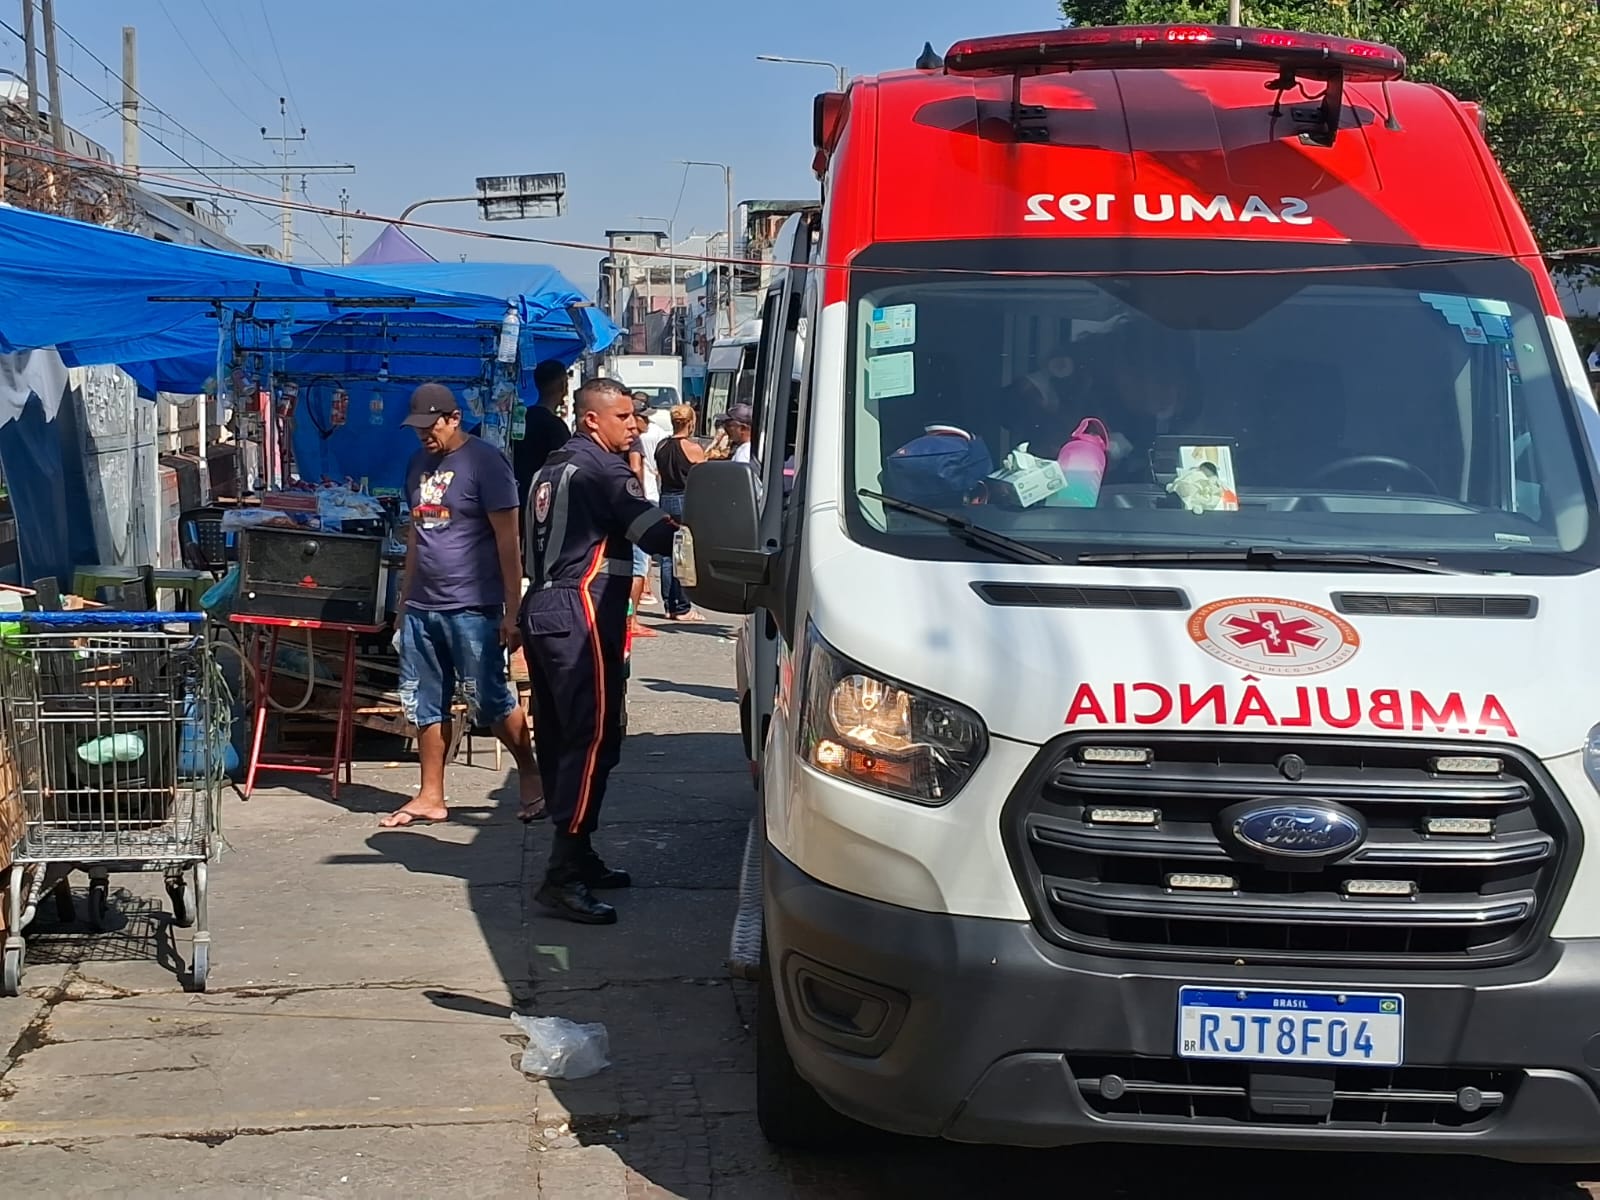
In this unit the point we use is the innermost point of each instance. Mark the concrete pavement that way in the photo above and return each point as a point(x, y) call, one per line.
point(355, 1041)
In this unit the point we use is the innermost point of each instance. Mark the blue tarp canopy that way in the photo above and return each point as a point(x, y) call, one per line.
point(101, 296)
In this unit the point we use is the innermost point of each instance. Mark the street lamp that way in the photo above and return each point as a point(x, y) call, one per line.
point(844, 76)
point(727, 186)
point(509, 197)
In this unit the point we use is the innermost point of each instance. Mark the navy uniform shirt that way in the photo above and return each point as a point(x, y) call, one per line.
point(584, 509)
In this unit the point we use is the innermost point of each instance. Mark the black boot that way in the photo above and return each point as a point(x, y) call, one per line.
point(597, 875)
point(564, 891)
point(573, 901)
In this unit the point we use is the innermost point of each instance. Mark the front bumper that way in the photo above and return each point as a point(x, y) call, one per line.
point(969, 1029)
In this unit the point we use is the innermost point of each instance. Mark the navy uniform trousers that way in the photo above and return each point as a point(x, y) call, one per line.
point(573, 638)
point(585, 511)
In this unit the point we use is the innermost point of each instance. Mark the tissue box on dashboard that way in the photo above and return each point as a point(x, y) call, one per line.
point(1024, 480)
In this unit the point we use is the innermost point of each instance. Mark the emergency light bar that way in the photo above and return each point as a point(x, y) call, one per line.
point(1176, 47)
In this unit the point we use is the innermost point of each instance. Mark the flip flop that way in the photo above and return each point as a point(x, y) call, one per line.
point(537, 813)
point(402, 819)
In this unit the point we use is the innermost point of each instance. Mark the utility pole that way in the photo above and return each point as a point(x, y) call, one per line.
point(30, 47)
point(130, 101)
point(283, 139)
point(58, 133)
point(727, 186)
point(344, 226)
point(1233, 13)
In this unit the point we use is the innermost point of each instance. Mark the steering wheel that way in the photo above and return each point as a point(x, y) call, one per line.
point(1396, 466)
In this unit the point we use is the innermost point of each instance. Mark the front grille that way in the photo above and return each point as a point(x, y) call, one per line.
point(1130, 1088)
point(1412, 605)
point(1108, 888)
point(1041, 595)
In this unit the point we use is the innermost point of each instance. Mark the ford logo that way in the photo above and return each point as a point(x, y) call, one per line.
point(1285, 833)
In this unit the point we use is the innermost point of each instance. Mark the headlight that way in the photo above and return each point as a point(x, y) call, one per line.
point(1591, 757)
point(884, 735)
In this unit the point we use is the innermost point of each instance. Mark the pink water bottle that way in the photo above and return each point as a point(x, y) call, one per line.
point(1083, 462)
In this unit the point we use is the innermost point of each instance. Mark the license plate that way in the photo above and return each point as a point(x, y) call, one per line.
point(1341, 1028)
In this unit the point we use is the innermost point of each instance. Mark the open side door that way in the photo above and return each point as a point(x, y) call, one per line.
point(776, 429)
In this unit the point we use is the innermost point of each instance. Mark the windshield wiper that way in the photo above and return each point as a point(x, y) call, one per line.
point(966, 531)
point(1267, 558)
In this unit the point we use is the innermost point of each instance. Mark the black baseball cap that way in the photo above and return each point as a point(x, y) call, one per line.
point(741, 414)
point(430, 402)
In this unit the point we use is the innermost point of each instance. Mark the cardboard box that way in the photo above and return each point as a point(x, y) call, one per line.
point(10, 805)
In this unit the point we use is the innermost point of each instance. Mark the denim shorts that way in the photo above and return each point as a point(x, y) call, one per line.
point(444, 655)
point(641, 563)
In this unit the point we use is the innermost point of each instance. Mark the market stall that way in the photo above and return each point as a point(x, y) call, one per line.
point(309, 371)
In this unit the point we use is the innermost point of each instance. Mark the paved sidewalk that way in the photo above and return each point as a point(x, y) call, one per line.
point(355, 1040)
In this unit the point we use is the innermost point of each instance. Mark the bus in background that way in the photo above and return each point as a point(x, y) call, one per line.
point(730, 372)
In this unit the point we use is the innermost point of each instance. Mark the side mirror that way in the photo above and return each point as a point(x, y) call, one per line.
point(717, 555)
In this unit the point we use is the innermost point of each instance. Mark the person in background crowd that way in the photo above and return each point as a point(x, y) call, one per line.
point(739, 431)
point(721, 448)
point(586, 508)
point(651, 435)
point(546, 429)
point(637, 463)
point(458, 601)
point(674, 457)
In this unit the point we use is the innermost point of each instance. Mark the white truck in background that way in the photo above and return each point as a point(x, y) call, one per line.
point(658, 376)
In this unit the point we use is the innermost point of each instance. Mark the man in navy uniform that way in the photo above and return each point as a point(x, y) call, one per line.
point(584, 508)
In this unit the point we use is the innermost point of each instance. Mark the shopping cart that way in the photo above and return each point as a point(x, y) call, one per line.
point(116, 725)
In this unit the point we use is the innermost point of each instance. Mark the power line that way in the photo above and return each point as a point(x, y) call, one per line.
point(272, 40)
point(148, 133)
point(199, 61)
point(248, 65)
point(144, 101)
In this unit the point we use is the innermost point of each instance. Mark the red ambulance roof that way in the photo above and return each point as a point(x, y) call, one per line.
point(927, 156)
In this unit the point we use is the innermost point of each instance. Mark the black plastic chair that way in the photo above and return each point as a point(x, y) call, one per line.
point(202, 542)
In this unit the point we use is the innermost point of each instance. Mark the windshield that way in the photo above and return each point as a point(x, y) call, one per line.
point(1183, 397)
point(659, 397)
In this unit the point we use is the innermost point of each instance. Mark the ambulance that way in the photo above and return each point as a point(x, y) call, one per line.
point(1169, 683)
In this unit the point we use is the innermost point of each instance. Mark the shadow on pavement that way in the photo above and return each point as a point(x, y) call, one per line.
point(676, 1106)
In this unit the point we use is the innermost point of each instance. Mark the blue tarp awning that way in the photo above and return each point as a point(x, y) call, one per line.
point(102, 296)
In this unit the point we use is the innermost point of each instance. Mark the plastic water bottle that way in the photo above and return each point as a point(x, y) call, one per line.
point(1083, 462)
point(510, 335)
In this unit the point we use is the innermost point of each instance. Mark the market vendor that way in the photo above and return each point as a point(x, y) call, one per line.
point(458, 603)
point(546, 430)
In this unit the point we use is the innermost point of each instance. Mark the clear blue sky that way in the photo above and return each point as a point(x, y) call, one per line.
point(423, 96)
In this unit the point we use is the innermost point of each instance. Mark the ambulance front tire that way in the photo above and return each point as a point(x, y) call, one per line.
point(791, 1114)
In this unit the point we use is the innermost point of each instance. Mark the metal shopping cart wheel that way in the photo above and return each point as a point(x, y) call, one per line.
point(99, 902)
point(11, 972)
point(178, 893)
point(200, 957)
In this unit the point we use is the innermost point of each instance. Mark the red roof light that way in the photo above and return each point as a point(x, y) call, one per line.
point(1176, 47)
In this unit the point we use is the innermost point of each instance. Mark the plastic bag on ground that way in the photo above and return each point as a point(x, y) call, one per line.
point(562, 1049)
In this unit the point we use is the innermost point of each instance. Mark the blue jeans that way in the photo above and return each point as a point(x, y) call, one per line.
point(441, 652)
point(673, 598)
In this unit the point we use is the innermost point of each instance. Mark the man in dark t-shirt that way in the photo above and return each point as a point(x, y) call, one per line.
point(459, 600)
point(546, 431)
